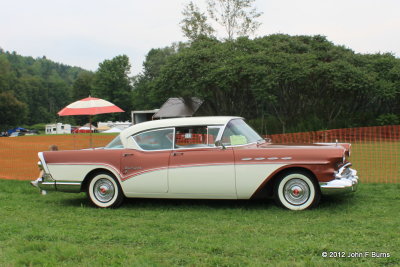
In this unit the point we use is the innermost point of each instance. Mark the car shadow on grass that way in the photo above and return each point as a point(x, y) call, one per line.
point(338, 201)
point(327, 202)
point(155, 203)
point(198, 203)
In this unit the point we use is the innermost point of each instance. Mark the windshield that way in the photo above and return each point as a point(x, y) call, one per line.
point(115, 143)
point(237, 132)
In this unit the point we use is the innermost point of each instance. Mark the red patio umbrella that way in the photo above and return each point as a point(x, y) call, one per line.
point(89, 106)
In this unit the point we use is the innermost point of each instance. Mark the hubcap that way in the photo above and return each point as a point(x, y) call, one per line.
point(104, 190)
point(296, 191)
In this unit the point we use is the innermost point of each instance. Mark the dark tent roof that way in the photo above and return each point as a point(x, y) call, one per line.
point(178, 107)
point(17, 129)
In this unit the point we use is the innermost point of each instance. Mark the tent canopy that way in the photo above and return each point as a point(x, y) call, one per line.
point(176, 107)
point(113, 130)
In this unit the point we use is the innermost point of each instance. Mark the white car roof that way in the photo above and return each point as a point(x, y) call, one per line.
point(190, 121)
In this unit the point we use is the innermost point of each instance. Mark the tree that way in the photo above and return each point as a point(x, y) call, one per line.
point(6, 74)
point(12, 111)
point(279, 82)
point(238, 17)
point(144, 96)
point(194, 23)
point(113, 84)
point(83, 85)
point(44, 86)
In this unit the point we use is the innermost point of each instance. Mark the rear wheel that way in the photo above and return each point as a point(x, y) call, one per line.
point(297, 191)
point(104, 191)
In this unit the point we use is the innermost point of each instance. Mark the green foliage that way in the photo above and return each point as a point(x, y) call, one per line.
point(40, 127)
point(237, 17)
point(290, 83)
point(12, 111)
point(113, 84)
point(83, 85)
point(42, 85)
point(61, 229)
point(388, 119)
point(82, 88)
point(194, 23)
point(280, 83)
point(145, 95)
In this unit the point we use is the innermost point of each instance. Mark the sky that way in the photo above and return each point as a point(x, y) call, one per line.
point(84, 33)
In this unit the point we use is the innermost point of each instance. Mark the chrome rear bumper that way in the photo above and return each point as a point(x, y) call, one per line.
point(47, 183)
point(346, 181)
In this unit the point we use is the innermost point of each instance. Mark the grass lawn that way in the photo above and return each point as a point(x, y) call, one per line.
point(61, 229)
point(377, 162)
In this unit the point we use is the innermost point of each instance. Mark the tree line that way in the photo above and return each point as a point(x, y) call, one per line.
point(279, 83)
point(33, 90)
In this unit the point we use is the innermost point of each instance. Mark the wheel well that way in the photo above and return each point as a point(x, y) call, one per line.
point(92, 174)
point(268, 189)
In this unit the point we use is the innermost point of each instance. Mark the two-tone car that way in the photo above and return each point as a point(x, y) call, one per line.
point(200, 158)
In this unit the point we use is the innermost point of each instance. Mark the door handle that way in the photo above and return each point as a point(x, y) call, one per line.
point(127, 154)
point(177, 154)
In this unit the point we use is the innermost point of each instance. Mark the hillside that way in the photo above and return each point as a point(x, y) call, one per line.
point(33, 89)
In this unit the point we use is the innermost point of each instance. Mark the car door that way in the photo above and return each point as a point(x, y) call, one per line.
point(146, 170)
point(197, 168)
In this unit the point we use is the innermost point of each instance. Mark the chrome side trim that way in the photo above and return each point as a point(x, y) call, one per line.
point(71, 187)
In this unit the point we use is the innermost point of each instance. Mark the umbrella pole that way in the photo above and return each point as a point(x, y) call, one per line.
point(90, 127)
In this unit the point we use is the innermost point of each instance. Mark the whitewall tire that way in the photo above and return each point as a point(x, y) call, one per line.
point(297, 191)
point(104, 191)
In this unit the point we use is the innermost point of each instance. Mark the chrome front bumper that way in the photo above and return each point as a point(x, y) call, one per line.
point(346, 181)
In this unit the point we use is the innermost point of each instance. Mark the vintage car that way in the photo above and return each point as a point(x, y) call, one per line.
point(200, 158)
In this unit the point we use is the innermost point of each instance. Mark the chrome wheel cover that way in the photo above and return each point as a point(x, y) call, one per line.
point(296, 191)
point(104, 190)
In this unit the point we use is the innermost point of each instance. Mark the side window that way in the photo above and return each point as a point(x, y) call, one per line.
point(237, 132)
point(195, 136)
point(155, 140)
point(212, 134)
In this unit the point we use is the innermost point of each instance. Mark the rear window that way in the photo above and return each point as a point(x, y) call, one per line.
point(155, 140)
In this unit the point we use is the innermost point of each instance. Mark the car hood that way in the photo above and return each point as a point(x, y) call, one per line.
point(346, 147)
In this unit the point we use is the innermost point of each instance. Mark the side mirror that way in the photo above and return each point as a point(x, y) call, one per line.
point(219, 143)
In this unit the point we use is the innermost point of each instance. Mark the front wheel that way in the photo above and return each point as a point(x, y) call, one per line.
point(104, 191)
point(296, 191)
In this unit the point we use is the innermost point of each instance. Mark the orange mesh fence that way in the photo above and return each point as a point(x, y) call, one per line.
point(18, 155)
point(375, 151)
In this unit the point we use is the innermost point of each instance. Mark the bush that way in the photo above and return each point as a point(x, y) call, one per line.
point(388, 119)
